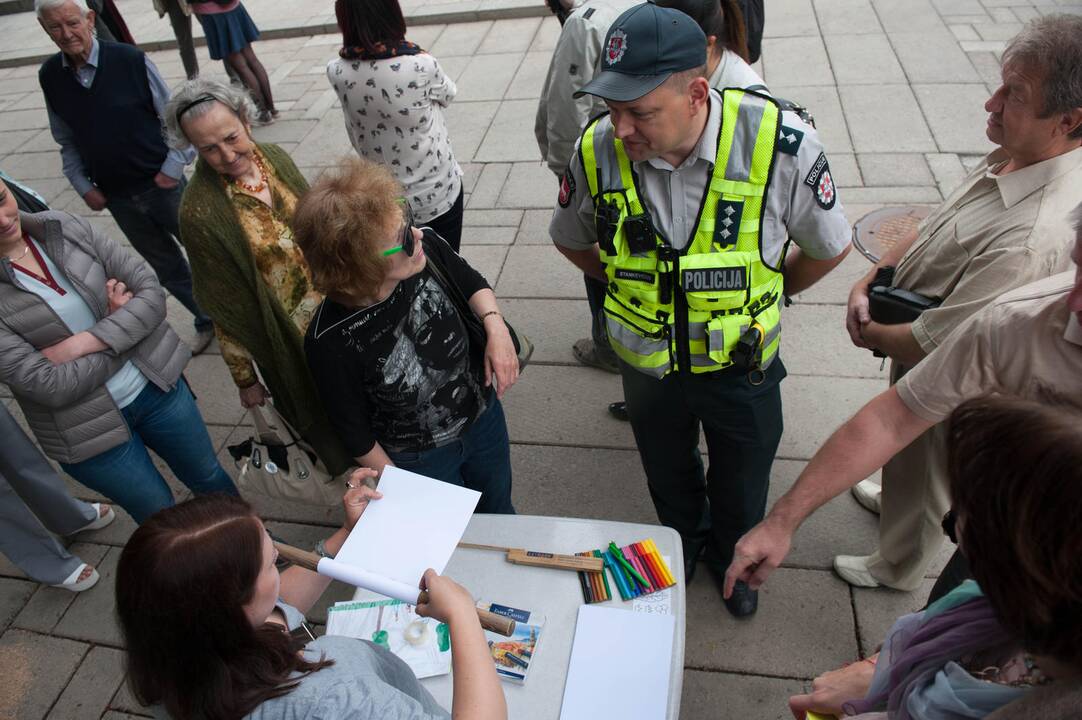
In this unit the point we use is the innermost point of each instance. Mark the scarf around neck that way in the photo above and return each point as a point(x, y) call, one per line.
point(380, 51)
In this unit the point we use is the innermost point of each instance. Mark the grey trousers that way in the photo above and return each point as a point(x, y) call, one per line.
point(182, 29)
point(31, 493)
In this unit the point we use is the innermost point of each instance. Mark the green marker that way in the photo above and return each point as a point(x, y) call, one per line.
point(627, 566)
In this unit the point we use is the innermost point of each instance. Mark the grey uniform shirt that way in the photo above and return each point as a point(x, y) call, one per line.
point(560, 116)
point(801, 201)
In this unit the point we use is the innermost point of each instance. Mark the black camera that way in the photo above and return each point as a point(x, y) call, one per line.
point(889, 305)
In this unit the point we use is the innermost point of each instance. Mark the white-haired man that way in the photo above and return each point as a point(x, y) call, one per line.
point(105, 101)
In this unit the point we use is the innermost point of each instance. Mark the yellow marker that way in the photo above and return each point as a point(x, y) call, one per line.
point(669, 579)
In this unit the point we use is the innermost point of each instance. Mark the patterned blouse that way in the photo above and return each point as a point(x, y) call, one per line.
point(393, 109)
point(280, 263)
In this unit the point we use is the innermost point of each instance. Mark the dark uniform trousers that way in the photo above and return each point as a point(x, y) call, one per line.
point(742, 423)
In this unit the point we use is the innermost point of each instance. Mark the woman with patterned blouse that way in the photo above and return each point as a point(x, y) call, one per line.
point(235, 224)
point(393, 94)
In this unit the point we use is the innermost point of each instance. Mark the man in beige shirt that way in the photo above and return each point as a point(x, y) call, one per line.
point(1027, 343)
point(1002, 228)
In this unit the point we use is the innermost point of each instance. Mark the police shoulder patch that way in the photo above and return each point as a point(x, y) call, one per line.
point(821, 183)
point(789, 140)
point(567, 188)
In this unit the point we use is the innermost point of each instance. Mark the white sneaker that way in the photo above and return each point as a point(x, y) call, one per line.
point(868, 494)
point(854, 570)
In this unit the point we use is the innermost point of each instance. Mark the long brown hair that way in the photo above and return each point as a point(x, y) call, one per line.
point(721, 18)
point(181, 583)
point(1016, 485)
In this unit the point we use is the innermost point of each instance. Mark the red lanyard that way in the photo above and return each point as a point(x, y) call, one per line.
point(48, 278)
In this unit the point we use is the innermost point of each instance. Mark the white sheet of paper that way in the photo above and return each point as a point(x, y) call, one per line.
point(620, 665)
point(415, 526)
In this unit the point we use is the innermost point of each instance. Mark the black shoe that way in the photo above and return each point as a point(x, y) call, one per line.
point(743, 602)
point(690, 563)
point(619, 411)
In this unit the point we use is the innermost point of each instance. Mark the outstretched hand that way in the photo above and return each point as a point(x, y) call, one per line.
point(757, 554)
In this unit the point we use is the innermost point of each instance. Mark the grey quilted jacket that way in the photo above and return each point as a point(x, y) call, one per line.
point(68, 407)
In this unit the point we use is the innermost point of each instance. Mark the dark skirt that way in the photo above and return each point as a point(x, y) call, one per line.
point(228, 32)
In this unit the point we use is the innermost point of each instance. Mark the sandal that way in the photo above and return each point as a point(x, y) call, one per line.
point(77, 583)
point(101, 520)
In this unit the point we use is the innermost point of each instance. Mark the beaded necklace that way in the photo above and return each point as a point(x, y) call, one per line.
point(255, 189)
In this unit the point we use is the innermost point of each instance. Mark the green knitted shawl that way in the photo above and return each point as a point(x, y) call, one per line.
point(229, 288)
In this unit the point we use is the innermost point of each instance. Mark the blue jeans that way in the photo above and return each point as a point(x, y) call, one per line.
point(149, 220)
point(168, 423)
point(479, 459)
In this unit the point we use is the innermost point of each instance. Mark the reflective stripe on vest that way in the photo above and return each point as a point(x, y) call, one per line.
point(724, 281)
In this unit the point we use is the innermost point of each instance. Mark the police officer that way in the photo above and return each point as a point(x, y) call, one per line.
point(681, 200)
point(562, 113)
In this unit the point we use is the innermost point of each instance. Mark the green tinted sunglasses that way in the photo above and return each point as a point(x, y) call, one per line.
point(407, 245)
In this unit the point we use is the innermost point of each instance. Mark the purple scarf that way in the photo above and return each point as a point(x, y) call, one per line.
point(918, 652)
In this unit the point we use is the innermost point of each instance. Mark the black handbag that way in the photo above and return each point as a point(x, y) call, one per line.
point(475, 328)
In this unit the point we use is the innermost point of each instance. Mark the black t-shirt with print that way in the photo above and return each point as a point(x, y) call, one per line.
point(400, 372)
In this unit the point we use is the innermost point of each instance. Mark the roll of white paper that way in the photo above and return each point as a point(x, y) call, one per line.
point(369, 581)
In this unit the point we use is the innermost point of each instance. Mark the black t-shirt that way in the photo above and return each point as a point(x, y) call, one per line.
point(400, 372)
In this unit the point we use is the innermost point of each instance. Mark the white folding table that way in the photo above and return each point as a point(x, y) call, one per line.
point(556, 594)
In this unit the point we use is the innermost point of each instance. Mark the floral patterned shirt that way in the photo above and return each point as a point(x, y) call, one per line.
point(280, 263)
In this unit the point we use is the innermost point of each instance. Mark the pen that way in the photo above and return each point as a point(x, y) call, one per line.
point(627, 566)
point(617, 575)
point(605, 580)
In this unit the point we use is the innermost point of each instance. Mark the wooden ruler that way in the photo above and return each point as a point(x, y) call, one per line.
point(543, 559)
point(490, 621)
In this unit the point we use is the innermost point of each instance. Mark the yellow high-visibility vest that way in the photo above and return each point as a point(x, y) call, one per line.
point(672, 310)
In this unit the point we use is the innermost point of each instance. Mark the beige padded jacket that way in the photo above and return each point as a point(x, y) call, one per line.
point(67, 406)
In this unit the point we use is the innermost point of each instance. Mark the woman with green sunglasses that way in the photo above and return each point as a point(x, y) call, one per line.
point(389, 350)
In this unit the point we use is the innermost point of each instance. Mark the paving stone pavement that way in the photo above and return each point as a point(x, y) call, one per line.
point(897, 89)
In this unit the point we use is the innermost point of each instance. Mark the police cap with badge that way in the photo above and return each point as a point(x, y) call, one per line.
point(643, 48)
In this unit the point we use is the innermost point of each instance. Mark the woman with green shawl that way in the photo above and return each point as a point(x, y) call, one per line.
point(248, 274)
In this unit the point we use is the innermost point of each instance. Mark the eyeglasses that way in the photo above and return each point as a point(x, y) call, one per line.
point(407, 245)
point(950, 521)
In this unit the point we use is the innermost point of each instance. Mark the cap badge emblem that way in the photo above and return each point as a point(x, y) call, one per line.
point(616, 48)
